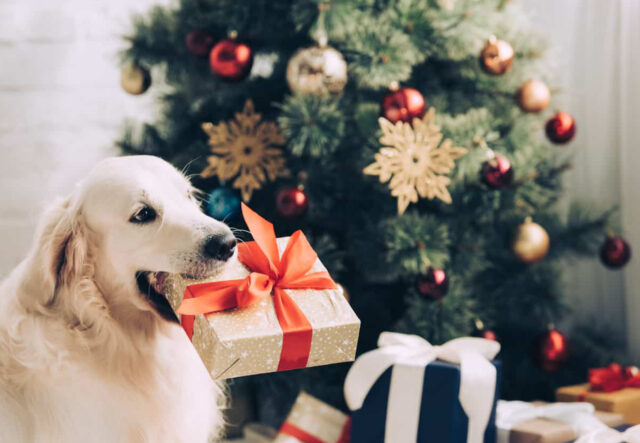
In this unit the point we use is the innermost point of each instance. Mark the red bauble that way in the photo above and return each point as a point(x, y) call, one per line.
point(552, 350)
point(615, 252)
point(434, 284)
point(199, 43)
point(497, 172)
point(231, 60)
point(561, 128)
point(403, 105)
point(292, 203)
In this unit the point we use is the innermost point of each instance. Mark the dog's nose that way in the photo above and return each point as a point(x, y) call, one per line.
point(220, 247)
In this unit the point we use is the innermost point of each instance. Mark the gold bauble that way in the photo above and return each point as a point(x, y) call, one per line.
point(135, 79)
point(317, 70)
point(496, 57)
point(533, 96)
point(531, 242)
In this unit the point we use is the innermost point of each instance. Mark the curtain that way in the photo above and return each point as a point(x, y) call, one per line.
point(595, 57)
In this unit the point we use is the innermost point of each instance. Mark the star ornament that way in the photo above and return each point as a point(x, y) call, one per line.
point(415, 160)
point(246, 149)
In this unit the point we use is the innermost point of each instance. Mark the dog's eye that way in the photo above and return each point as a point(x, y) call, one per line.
point(146, 214)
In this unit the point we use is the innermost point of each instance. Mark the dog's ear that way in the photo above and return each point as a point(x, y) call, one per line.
point(59, 254)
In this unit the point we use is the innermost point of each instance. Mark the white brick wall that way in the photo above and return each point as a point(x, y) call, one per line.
point(61, 106)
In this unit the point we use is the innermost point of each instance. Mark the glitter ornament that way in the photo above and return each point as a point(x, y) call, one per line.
point(317, 70)
point(496, 57)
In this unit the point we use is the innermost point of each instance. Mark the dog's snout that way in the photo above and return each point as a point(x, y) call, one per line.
point(220, 247)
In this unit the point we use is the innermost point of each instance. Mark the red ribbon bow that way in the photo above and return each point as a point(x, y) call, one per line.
point(305, 437)
point(270, 275)
point(614, 378)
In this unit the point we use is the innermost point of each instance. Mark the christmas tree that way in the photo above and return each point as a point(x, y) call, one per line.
point(413, 142)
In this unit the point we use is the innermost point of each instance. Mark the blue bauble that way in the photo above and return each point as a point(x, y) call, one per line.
point(223, 204)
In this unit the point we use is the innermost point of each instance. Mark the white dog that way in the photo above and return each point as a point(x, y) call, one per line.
point(89, 349)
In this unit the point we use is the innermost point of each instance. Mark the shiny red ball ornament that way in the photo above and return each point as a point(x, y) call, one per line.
point(231, 60)
point(561, 128)
point(552, 350)
point(199, 43)
point(292, 203)
point(615, 252)
point(497, 172)
point(403, 105)
point(434, 284)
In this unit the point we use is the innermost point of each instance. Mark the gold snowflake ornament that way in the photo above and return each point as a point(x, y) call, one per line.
point(414, 161)
point(246, 148)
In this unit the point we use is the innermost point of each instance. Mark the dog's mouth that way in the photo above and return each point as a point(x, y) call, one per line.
point(151, 286)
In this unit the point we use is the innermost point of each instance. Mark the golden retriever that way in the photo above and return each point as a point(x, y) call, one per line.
point(90, 351)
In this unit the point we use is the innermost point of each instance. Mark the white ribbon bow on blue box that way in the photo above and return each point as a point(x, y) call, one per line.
point(409, 355)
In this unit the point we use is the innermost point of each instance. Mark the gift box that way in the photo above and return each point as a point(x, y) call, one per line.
point(410, 391)
point(274, 309)
point(538, 422)
point(313, 421)
point(610, 389)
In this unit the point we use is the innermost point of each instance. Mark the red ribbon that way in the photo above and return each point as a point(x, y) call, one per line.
point(614, 378)
point(270, 276)
point(302, 435)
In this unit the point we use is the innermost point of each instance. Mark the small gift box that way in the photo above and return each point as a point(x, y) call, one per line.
point(274, 309)
point(410, 391)
point(537, 422)
point(610, 389)
point(313, 421)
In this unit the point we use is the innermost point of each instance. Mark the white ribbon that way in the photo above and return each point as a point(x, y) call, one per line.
point(608, 435)
point(577, 415)
point(410, 354)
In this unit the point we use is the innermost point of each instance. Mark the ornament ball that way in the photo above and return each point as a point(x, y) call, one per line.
point(199, 43)
point(318, 70)
point(534, 96)
point(497, 172)
point(403, 104)
point(531, 242)
point(223, 204)
point(231, 60)
point(496, 57)
point(615, 252)
point(434, 284)
point(135, 79)
point(292, 203)
point(552, 350)
point(560, 128)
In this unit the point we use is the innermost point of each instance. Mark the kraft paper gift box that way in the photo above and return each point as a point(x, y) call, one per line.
point(253, 303)
point(610, 389)
point(312, 421)
point(410, 391)
point(539, 422)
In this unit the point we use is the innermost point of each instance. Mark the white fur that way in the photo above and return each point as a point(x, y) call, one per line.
point(83, 356)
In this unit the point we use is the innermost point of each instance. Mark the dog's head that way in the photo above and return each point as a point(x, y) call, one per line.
point(129, 223)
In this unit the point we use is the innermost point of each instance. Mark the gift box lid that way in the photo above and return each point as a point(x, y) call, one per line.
point(604, 401)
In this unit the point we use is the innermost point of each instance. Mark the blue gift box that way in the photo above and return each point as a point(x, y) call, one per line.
point(442, 419)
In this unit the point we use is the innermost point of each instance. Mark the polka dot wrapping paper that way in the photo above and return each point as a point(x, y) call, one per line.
point(247, 341)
